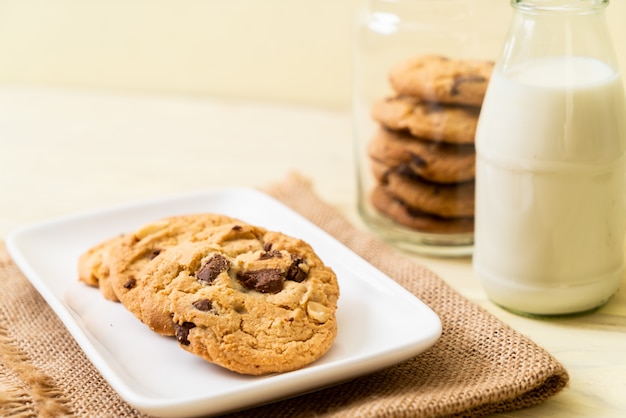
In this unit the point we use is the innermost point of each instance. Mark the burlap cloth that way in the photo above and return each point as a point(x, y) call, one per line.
point(479, 366)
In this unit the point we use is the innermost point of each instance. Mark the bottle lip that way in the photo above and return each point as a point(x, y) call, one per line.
point(565, 6)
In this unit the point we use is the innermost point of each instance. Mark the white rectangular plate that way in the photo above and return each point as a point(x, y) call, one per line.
point(379, 322)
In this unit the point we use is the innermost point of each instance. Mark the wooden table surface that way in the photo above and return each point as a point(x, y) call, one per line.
point(64, 152)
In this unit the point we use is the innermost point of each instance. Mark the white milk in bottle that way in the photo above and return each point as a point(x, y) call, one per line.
point(550, 203)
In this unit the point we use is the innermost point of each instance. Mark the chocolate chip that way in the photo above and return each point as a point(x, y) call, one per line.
point(270, 254)
point(203, 305)
point(154, 253)
point(267, 246)
point(130, 283)
point(264, 281)
point(405, 170)
point(418, 161)
point(236, 228)
point(431, 108)
point(294, 272)
point(209, 272)
point(454, 90)
point(240, 309)
point(182, 331)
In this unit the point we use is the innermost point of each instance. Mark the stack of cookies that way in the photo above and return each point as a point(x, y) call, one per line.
point(242, 297)
point(423, 156)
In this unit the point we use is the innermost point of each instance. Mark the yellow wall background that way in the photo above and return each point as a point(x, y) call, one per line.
point(279, 50)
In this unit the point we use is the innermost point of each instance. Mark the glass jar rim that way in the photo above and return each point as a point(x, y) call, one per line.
point(565, 6)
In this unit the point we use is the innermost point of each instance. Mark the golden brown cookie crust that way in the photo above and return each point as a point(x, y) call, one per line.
point(433, 161)
point(443, 80)
point(397, 211)
point(456, 125)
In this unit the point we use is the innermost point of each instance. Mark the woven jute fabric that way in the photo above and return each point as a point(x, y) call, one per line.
point(478, 366)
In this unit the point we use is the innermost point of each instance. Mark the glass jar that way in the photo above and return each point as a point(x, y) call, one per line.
point(420, 71)
point(551, 146)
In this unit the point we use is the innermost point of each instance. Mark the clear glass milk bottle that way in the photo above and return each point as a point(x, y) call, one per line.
point(550, 182)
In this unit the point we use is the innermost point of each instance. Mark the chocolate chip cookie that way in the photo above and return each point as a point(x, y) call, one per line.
point(432, 121)
point(440, 79)
point(446, 201)
point(396, 210)
point(247, 299)
point(434, 161)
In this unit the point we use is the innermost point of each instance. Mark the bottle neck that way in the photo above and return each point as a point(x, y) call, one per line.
point(559, 6)
point(553, 28)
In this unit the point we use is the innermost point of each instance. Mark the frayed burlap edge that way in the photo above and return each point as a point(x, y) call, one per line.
point(26, 390)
